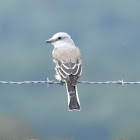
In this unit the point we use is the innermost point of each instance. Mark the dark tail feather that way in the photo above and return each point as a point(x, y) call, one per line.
point(73, 99)
point(74, 104)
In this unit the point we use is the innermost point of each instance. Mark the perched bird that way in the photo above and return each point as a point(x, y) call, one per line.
point(68, 66)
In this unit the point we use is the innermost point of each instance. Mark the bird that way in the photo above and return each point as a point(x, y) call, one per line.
point(68, 66)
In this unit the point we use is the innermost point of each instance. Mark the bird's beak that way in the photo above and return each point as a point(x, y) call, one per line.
point(49, 40)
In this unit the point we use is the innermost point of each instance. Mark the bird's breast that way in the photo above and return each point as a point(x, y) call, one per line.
point(66, 54)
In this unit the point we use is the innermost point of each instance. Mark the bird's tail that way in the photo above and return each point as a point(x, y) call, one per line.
point(73, 99)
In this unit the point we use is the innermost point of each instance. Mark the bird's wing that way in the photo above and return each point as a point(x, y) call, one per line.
point(69, 71)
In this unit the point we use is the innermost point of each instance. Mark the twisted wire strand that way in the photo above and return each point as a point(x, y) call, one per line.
point(119, 82)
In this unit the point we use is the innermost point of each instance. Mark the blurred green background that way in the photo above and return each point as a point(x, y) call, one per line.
point(108, 34)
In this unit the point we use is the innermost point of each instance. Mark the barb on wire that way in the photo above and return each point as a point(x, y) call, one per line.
point(48, 82)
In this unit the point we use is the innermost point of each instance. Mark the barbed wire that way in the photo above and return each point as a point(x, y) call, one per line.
point(119, 82)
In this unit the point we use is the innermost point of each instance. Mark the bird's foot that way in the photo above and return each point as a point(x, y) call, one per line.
point(61, 82)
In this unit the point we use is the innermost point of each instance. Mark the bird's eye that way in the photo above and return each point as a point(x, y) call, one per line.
point(59, 38)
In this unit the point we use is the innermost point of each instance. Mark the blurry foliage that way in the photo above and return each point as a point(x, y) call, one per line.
point(11, 129)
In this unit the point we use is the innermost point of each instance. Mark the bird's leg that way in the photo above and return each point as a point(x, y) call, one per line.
point(61, 82)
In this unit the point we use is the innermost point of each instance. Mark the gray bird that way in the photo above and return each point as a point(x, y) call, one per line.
point(68, 66)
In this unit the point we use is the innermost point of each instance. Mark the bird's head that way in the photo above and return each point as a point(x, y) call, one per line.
point(60, 39)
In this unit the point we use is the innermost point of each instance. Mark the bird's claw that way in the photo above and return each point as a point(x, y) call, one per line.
point(61, 83)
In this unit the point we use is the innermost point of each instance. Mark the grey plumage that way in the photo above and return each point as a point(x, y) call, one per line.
point(69, 72)
point(68, 65)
